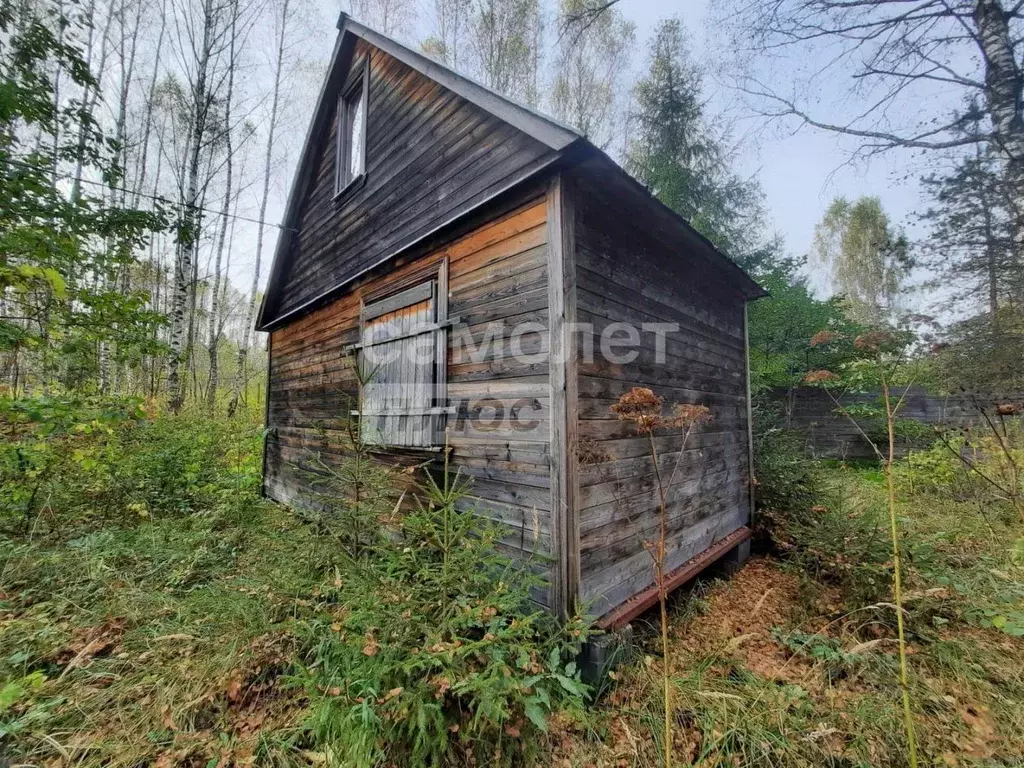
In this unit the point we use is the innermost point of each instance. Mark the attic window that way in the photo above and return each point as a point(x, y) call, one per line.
point(402, 362)
point(351, 158)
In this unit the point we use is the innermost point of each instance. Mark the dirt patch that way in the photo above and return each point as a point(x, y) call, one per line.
point(742, 611)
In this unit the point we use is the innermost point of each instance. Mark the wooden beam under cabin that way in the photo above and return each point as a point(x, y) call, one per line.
point(692, 568)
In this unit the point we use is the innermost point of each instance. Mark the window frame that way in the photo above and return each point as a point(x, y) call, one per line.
point(355, 92)
point(435, 275)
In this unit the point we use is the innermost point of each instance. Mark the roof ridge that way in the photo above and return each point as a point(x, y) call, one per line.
point(540, 125)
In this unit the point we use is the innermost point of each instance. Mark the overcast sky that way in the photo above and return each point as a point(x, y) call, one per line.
point(800, 170)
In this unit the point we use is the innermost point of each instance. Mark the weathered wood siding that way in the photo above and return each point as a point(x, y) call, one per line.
point(500, 434)
point(430, 156)
point(631, 268)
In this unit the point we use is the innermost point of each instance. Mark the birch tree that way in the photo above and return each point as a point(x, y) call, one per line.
point(214, 326)
point(96, 63)
point(127, 18)
point(392, 17)
point(449, 20)
point(903, 64)
point(590, 73)
point(866, 258)
point(55, 272)
point(283, 13)
point(504, 38)
point(203, 42)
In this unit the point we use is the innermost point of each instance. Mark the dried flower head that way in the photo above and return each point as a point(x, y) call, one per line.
point(686, 415)
point(820, 377)
point(589, 452)
point(641, 406)
point(872, 340)
point(823, 337)
point(1006, 409)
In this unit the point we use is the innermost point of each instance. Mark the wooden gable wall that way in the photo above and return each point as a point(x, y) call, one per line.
point(629, 269)
point(497, 280)
point(431, 155)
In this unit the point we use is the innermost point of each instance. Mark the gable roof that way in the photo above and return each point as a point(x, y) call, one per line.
point(541, 127)
point(557, 136)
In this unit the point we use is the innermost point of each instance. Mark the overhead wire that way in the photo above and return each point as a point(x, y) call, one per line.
point(161, 199)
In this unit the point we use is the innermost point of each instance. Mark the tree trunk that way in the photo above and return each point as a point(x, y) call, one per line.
point(215, 327)
point(243, 347)
point(89, 99)
point(189, 227)
point(126, 60)
point(147, 124)
point(1003, 91)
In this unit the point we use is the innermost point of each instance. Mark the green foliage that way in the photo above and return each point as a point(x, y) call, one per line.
point(431, 648)
point(984, 353)
point(18, 709)
point(782, 325)
point(61, 254)
point(678, 153)
point(785, 476)
point(868, 260)
point(94, 458)
point(114, 584)
point(351, 490)
point(841, 543)
point(935, 470)
point(969, 247)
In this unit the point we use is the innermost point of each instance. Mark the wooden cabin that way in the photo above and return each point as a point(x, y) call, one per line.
point(506, 282)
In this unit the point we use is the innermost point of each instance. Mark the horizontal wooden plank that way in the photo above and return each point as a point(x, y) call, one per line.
point(609, 589)
point(689, 570)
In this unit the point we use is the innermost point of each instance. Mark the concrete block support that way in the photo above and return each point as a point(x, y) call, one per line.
point(603, 654)
point(736, 557)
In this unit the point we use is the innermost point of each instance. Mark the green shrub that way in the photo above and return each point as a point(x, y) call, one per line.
point(69, 460)
point(935, 470)
point(430, 649)
point(175, 465)
point(841, 544)
point(53, 449)
point(785, 478)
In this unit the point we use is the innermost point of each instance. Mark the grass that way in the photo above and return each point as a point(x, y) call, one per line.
point(160, 643)
point(173, 639)
point(787, 665)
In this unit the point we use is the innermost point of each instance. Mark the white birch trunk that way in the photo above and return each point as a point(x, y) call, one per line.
point(1003, 93)
point(213, 340)
point(189, 227)
point(250, 315)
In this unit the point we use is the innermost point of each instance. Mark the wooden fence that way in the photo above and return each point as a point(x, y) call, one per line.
point(829, 434)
